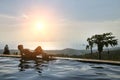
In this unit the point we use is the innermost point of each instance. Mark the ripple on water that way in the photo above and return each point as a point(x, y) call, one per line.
point(13, 69)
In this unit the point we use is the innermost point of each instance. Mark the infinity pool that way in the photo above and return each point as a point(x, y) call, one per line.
point(13, 69)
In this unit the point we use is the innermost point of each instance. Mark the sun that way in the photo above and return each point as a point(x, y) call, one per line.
point(39, 26)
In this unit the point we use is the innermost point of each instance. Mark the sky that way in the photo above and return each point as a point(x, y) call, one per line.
point(56, 24)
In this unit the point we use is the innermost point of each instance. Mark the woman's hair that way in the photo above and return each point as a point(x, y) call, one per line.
point(20, 47)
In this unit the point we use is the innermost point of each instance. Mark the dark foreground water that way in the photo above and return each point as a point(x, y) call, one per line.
point(13, 69)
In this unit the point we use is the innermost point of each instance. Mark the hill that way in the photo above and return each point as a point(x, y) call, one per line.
point(67, 51)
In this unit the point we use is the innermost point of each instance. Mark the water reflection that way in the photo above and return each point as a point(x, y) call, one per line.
point(56, 70)
point(32, 64)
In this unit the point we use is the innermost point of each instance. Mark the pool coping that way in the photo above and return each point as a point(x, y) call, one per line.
point(92, 61)
point(75, 59)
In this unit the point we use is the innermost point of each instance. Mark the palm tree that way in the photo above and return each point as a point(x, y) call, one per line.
point(90, 44)
point(104, 39)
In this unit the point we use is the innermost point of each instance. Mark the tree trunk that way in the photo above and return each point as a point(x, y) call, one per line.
point(99, 55)
point(91, 51)
point(100, 49)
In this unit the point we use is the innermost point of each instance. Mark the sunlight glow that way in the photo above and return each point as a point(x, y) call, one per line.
point(39, 26)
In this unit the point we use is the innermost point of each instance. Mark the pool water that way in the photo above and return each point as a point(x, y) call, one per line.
point(13, 69)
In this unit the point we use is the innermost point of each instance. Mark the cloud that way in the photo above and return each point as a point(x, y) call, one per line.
point(7, 16)
point(74, 30)
point(7, 20)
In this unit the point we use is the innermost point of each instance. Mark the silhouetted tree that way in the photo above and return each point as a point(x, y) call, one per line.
point(90, 44)
point(6, 50)
point(104, 39)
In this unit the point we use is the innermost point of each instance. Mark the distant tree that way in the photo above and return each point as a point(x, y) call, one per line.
point(90, 44)
point(102, 40)
point(6, 50)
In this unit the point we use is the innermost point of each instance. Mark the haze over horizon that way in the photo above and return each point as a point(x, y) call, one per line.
point(56, 24)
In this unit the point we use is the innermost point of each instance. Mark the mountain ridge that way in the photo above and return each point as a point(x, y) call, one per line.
point(66, 51)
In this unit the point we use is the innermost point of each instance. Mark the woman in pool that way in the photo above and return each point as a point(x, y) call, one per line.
point(27, 54)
